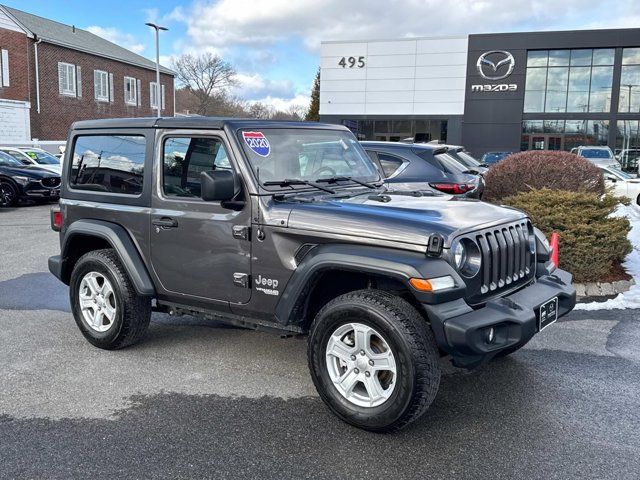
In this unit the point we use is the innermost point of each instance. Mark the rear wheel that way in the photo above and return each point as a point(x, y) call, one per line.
point(373, 360)
point(8, 194)
point(106, 307)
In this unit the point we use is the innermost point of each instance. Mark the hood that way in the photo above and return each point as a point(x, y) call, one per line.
point(399, 218)
point(31, 171)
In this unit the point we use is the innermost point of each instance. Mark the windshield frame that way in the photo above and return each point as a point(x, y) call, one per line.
point(304, 188)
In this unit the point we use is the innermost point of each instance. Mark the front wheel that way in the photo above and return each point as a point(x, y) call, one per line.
point(373, 360)
point(8, 195)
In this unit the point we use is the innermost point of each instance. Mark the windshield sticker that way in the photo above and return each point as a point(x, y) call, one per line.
point(257, 142)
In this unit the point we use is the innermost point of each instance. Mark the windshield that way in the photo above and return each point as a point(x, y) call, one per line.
point(595, 153)
point(493, 157)
point(19, 156)
point(7, 160)
point(305, 154)
point(43, 158)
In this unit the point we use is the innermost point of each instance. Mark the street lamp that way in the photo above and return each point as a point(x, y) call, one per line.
point(158, 89)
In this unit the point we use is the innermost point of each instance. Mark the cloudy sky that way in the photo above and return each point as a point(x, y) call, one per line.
point(275, 44)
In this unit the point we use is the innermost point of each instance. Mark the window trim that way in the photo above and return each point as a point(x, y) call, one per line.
point(103, 75)
point(67, 92)
point(133, 101)
point(398, 171)
point(152, 89)
point(66, 172)
point(159, 158)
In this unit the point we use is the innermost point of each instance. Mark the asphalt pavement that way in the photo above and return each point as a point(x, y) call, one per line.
point(197, 399)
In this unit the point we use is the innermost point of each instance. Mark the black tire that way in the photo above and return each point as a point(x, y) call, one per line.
point(8, 194)
point(133, 312)
point(411, 341)
point(638, 200)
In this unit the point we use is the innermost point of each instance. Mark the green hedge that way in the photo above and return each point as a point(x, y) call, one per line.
point(591, 241)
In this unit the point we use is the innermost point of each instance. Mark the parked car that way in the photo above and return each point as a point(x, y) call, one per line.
point(491, 158)
point(421, 165)
point(32, 156)
point(628, 159)
point(19, 181)
point(463, 157)
point(595, 153)
point(266, 224)
point(622, 183)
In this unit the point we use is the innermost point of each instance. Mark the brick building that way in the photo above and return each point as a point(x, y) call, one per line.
point(53, 74)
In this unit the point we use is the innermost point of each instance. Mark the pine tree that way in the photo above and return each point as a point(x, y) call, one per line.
point(313, 114)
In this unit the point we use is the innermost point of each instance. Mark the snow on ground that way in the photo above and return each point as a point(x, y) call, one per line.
point(631, 298)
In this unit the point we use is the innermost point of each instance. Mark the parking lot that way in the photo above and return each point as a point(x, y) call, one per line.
point(196, 399)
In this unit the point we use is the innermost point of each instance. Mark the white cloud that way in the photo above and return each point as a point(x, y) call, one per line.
point(255, 86)
point(284, 104)
point(118, 37)
point(246, 22)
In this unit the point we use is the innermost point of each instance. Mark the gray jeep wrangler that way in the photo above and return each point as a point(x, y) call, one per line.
point(287, 226)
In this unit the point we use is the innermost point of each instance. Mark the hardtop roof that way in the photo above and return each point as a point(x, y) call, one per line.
point(198, 122)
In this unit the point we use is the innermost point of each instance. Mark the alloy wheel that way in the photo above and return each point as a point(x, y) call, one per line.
point(97, 302)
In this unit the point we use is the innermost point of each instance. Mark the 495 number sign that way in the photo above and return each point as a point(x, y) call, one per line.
point(351, 62)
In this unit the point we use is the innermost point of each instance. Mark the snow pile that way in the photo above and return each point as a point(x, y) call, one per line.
point(631, 298)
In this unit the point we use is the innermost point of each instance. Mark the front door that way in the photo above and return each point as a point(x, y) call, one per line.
point(197, 247)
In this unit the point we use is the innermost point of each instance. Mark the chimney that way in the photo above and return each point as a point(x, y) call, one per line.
point(73, 28)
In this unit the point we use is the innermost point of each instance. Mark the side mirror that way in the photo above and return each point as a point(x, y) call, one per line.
point(611, 178)
point(217, 185)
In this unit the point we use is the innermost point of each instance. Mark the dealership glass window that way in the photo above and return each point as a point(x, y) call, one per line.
point(563, 134)
point(108, 163)
point(628, 143)
point(629, 100)
point(600, 92)
point(569, 80)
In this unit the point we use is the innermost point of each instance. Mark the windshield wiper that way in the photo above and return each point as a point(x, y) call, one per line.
point(287, 182)
point(346, 179)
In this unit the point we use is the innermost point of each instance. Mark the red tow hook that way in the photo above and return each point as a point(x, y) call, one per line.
point(555, 245)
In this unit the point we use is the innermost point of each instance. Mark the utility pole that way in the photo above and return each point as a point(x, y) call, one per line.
point(158, 88)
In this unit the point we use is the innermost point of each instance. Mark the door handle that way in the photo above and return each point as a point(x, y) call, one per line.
point(165, 222)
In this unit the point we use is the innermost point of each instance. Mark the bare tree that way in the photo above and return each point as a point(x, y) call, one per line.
point(204, 76)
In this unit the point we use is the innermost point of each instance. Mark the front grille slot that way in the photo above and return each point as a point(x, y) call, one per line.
point(506, 259)
point(51, 182)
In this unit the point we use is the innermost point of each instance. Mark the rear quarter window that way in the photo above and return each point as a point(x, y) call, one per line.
point(108, 163)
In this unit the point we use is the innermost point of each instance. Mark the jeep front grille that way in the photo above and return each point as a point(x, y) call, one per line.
point(507, 260)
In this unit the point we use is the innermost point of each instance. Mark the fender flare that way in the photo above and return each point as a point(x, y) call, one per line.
point(400, 265)
point(121, 242)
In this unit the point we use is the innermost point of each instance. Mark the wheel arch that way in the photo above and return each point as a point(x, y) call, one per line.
point(83, 236)
point(331, 270)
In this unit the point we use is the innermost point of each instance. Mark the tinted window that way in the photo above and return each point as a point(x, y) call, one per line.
point(19, 157)
point(185, 158)
point(389, 163)
point(7, 160)
point(109, 163)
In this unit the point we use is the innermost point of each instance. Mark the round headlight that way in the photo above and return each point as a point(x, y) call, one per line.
point(458, 254)
point(467, 257)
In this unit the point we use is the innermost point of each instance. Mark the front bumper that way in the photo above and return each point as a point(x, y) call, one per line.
point(462, 331)
point(38, 191)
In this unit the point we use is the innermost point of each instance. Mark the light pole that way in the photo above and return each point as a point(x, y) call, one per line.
point(157, 28)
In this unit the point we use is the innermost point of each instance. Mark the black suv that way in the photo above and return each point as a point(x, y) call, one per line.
point(287, 227)
point(18, 181)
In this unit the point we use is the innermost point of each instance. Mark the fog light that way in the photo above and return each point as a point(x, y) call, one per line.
point(491, 335)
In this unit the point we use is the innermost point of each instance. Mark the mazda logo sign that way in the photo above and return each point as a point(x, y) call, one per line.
point(488, 69)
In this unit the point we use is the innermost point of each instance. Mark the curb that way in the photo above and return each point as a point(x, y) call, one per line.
point(593, 290)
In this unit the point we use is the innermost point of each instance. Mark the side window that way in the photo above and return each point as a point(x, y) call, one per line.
point(108, 163)
point(389, 163)
point(185, 158)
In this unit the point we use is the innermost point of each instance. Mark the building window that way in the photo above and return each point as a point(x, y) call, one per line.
point(153, 94)
point(101, 85)
point(108, 163)
point(4, 68)
point(563, 134)
point(628, 144)
point(569, 80)
point(67, 79)
point(630, 81)
point(130, 91)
